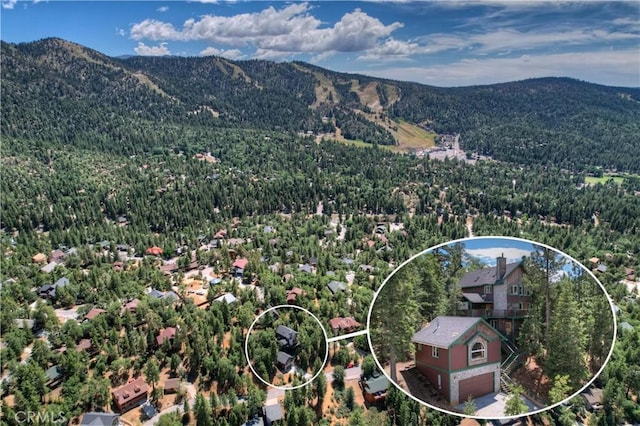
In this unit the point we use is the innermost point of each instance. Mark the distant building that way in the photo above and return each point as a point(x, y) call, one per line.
point(165, 334)
point(294, 293)
point(336, 286)
point(93, 313)
point(460, 356)
point(593, 398)
point(340, 324)
point(375, 388)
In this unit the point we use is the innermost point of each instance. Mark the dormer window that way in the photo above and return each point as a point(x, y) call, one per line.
point(487, 289)
point(477, 351)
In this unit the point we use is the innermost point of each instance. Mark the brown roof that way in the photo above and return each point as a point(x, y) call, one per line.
point(132, 306)
point(130, 391)
point(241, 263)
point(155, 250)
point(171, 384)
point(39, 258)
point(83, 345)
point(166, 333)
point(94, 313)
point(293, 293)
point(340, 323)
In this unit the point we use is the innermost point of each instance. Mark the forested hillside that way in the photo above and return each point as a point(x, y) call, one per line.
point(553, 121)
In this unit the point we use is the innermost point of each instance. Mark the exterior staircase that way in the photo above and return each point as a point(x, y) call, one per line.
point(509, 364)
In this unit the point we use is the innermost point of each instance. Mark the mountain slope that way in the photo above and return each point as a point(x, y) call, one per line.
point(54, 91)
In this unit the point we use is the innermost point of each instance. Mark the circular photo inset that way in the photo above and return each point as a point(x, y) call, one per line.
point(286, 347)
point(491, 327)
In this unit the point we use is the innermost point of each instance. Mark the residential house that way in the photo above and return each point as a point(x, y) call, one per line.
point(284, 361)
point(336, 286)
point(227, 298)
point(460, 356)
point(498, 295)
point(100, 419)
point(593, 398)
point(287, 337)
point(39, 258)
point(166, 334)
point(131, 306)
point(305, 268)
point(48, 291)
point(130, 395)
point(93, 313)
point(294, 293)
point(85, 345)
point(154, 251)
point(56, 256)
point(54, 377)
point(272, 413)
point(374, 388)
point(345, 325)
point(239, 266)
point(172, 385)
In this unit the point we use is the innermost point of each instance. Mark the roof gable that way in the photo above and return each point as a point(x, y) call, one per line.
point(484, 276)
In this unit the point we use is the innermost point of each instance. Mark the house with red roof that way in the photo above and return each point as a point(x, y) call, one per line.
point(293, 293)
point(168, 333)
point(130, 395)
point(346, 325)
point(154, 251)
point(239, 265)
point(93, 313)
point(460, 356)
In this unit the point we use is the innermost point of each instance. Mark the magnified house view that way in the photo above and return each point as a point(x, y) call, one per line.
point(491, 327)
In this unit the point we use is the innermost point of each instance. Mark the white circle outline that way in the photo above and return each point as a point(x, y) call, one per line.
point(528, 413)
point(326, 343)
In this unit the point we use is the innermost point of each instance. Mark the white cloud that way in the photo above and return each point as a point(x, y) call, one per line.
point(275, 33)
point(233, 54)
point(489, 255)
point(9, 4)
point(144, 50)
point(604, 67)
point(511, 39)
point(162, 9)
point(121, 32)
point(393, 49)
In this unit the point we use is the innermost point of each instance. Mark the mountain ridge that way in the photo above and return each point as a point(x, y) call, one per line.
point(545, 119)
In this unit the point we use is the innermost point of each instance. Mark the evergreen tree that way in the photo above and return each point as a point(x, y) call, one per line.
point(566, 348)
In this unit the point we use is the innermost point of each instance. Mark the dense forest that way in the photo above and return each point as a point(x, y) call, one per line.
point(90, 98)
point(104, 159)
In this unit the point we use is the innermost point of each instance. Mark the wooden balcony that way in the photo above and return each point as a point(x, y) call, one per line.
point(497, 313)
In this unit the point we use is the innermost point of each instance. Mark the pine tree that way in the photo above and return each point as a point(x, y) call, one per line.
point(566, 347)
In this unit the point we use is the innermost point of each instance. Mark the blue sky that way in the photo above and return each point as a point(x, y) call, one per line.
point(442, 43)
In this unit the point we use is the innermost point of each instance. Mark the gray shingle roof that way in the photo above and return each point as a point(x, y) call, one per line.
point(288, 334)
point(283, 357)
point(484, 276)
point(99, 419)
point(336, 286)
point(443, 331)
point(273, 413)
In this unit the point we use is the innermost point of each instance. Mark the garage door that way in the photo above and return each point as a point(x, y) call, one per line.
point(476, 386)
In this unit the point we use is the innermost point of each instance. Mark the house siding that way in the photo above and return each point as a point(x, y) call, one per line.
point(424, 356)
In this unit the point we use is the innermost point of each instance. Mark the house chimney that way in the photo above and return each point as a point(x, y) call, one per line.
point(501, 265)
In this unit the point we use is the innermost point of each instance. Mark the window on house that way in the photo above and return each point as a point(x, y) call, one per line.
point(487, 289)
point(419, 346)
point(493, 323)
point(478, 351)
point(435, 352)
point(514, 289)
point(523, 306)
